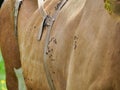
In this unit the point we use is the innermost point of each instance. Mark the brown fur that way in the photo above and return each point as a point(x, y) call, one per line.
point(83, 51)
point(8, 44)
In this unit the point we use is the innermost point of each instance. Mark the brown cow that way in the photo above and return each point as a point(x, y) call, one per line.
point(8, 43)
point(83, 52)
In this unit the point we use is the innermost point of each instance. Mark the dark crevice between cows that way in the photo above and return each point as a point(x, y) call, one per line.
point(1, 2)
point(75, 42)
point(16, 15)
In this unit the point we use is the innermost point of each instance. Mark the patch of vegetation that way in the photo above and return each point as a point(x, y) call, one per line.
point(108, 6)
point(2, 74)
point(113, 7)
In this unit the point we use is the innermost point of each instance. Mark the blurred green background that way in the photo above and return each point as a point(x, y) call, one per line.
point(2, 74)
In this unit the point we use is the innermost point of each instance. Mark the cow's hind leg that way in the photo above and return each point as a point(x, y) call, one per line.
point(8, 43)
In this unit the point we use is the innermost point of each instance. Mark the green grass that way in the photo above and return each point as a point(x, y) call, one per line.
point(2, 74)
point(108, 6)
